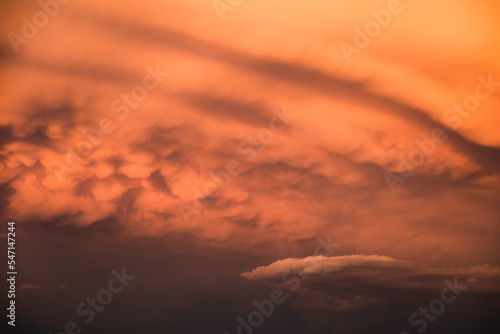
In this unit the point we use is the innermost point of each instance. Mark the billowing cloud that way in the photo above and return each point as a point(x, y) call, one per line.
point(258, 132)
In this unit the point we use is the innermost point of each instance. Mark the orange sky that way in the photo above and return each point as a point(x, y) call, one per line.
point(322, 170)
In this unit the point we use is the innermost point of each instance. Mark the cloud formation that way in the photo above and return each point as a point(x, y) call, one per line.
point(83, 145)
point(324, 287)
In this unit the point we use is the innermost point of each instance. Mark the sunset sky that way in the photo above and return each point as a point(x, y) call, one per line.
point(344, 155)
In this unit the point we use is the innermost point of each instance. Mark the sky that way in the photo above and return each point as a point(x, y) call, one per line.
point(251, 166)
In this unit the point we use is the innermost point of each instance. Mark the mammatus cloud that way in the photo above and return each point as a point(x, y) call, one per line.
point(116, 114)
point(137, 161)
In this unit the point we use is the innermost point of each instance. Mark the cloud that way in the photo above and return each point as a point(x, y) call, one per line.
point(29, 286)
point(316, 265)
point(357, 282)
point(323, 174)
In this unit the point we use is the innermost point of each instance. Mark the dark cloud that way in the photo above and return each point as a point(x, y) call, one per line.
point(320, 175)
